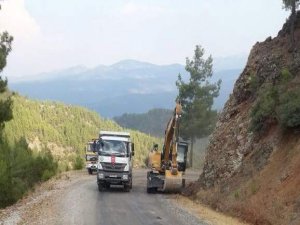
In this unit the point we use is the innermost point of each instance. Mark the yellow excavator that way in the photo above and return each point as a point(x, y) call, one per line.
point(168, 166)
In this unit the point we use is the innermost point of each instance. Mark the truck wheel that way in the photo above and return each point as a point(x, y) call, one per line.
point(90, 171)
point(101, 187)
point(126, 187)
point(151, 190)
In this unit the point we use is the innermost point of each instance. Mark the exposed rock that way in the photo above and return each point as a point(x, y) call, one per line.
point(232, 141)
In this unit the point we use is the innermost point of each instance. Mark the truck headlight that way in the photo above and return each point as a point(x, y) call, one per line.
point(126, 168)
point(125, 177)
point(100, 175)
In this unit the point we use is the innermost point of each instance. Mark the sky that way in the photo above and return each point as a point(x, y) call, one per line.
point(51, 35)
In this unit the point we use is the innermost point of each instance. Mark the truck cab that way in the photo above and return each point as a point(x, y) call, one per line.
point(91, 157)
point(115, 157)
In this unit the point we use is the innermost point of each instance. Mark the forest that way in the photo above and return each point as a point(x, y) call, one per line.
point(153, 122)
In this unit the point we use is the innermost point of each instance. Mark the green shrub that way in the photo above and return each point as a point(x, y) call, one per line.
point(289, 109)
point(19, 188)
point(286, 76)
point(253, 82)
point(78, 163)
point(264, 109)
point(279, 103)
point(236, 194)
point(47, 174)
point(254, 187)
point(5, 184)
point(20, 169)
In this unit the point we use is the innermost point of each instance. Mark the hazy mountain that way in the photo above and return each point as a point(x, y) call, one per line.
point(128, 86)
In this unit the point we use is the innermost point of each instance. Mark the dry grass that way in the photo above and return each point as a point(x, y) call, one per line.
point(205, 213)
point(270, 197)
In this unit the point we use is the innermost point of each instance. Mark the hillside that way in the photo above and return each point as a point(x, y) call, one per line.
point(252, 164)
point(153, 122)
point(128, 86)
point(64, 129)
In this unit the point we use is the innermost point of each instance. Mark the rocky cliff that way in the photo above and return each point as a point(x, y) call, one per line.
point(244, 169)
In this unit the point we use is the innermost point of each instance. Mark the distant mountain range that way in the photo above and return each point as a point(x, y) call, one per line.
point(128, 86)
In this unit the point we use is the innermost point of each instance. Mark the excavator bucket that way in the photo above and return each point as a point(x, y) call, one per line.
point(172, 183)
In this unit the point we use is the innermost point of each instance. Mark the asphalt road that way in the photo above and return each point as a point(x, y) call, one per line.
point(84, 204)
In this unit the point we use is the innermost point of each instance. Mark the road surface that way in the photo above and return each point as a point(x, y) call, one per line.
point(75, 199)
point(84, 204)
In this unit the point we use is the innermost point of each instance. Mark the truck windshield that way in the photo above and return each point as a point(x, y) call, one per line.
point(113, 147)
point(91, 158)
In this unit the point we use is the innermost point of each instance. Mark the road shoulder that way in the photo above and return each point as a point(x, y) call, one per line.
point(204, 213)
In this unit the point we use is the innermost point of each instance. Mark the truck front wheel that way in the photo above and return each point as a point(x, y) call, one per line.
point(127, 187)
point(101, 187)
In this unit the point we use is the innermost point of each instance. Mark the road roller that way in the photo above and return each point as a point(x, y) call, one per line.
point(167, 166)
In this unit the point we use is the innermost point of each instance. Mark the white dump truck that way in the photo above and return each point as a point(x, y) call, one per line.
point(115, 157)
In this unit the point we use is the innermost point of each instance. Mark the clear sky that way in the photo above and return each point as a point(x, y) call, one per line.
point(56, 34)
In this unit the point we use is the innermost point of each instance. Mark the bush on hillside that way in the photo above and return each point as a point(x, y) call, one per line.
point(253, 83)
point(20, 169)
point(78, 163)
point(286, 76)
point(289, 109)
point(264, 109)
point(277, 103)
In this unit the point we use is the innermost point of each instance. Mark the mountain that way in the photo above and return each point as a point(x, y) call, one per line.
point(153, 122)
point(252, 165)
point(128, 86)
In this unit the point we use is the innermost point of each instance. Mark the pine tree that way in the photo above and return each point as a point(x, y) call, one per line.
point(5, 101)
point(292, 5)
point(197, 97)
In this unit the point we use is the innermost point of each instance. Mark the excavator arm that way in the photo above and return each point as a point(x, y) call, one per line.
point(165, 175)
point(171, 140)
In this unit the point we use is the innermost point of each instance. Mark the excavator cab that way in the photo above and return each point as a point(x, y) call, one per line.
point(182, 151)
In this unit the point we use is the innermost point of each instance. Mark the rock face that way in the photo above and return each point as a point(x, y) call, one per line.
point(232, 142)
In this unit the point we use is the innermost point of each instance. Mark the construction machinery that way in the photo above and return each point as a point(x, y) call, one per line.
point(167, 167)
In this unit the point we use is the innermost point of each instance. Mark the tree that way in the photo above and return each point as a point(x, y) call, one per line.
point(292, 5)
point(197, 98)
point(5, 101)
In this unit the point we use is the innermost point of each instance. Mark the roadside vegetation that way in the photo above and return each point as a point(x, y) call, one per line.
point(277, 104)
point(20, 168)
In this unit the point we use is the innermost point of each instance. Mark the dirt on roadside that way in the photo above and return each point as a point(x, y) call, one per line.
point(41, 199)
point(205, 213)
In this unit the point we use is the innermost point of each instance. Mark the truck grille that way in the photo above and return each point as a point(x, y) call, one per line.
point(116, 167)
